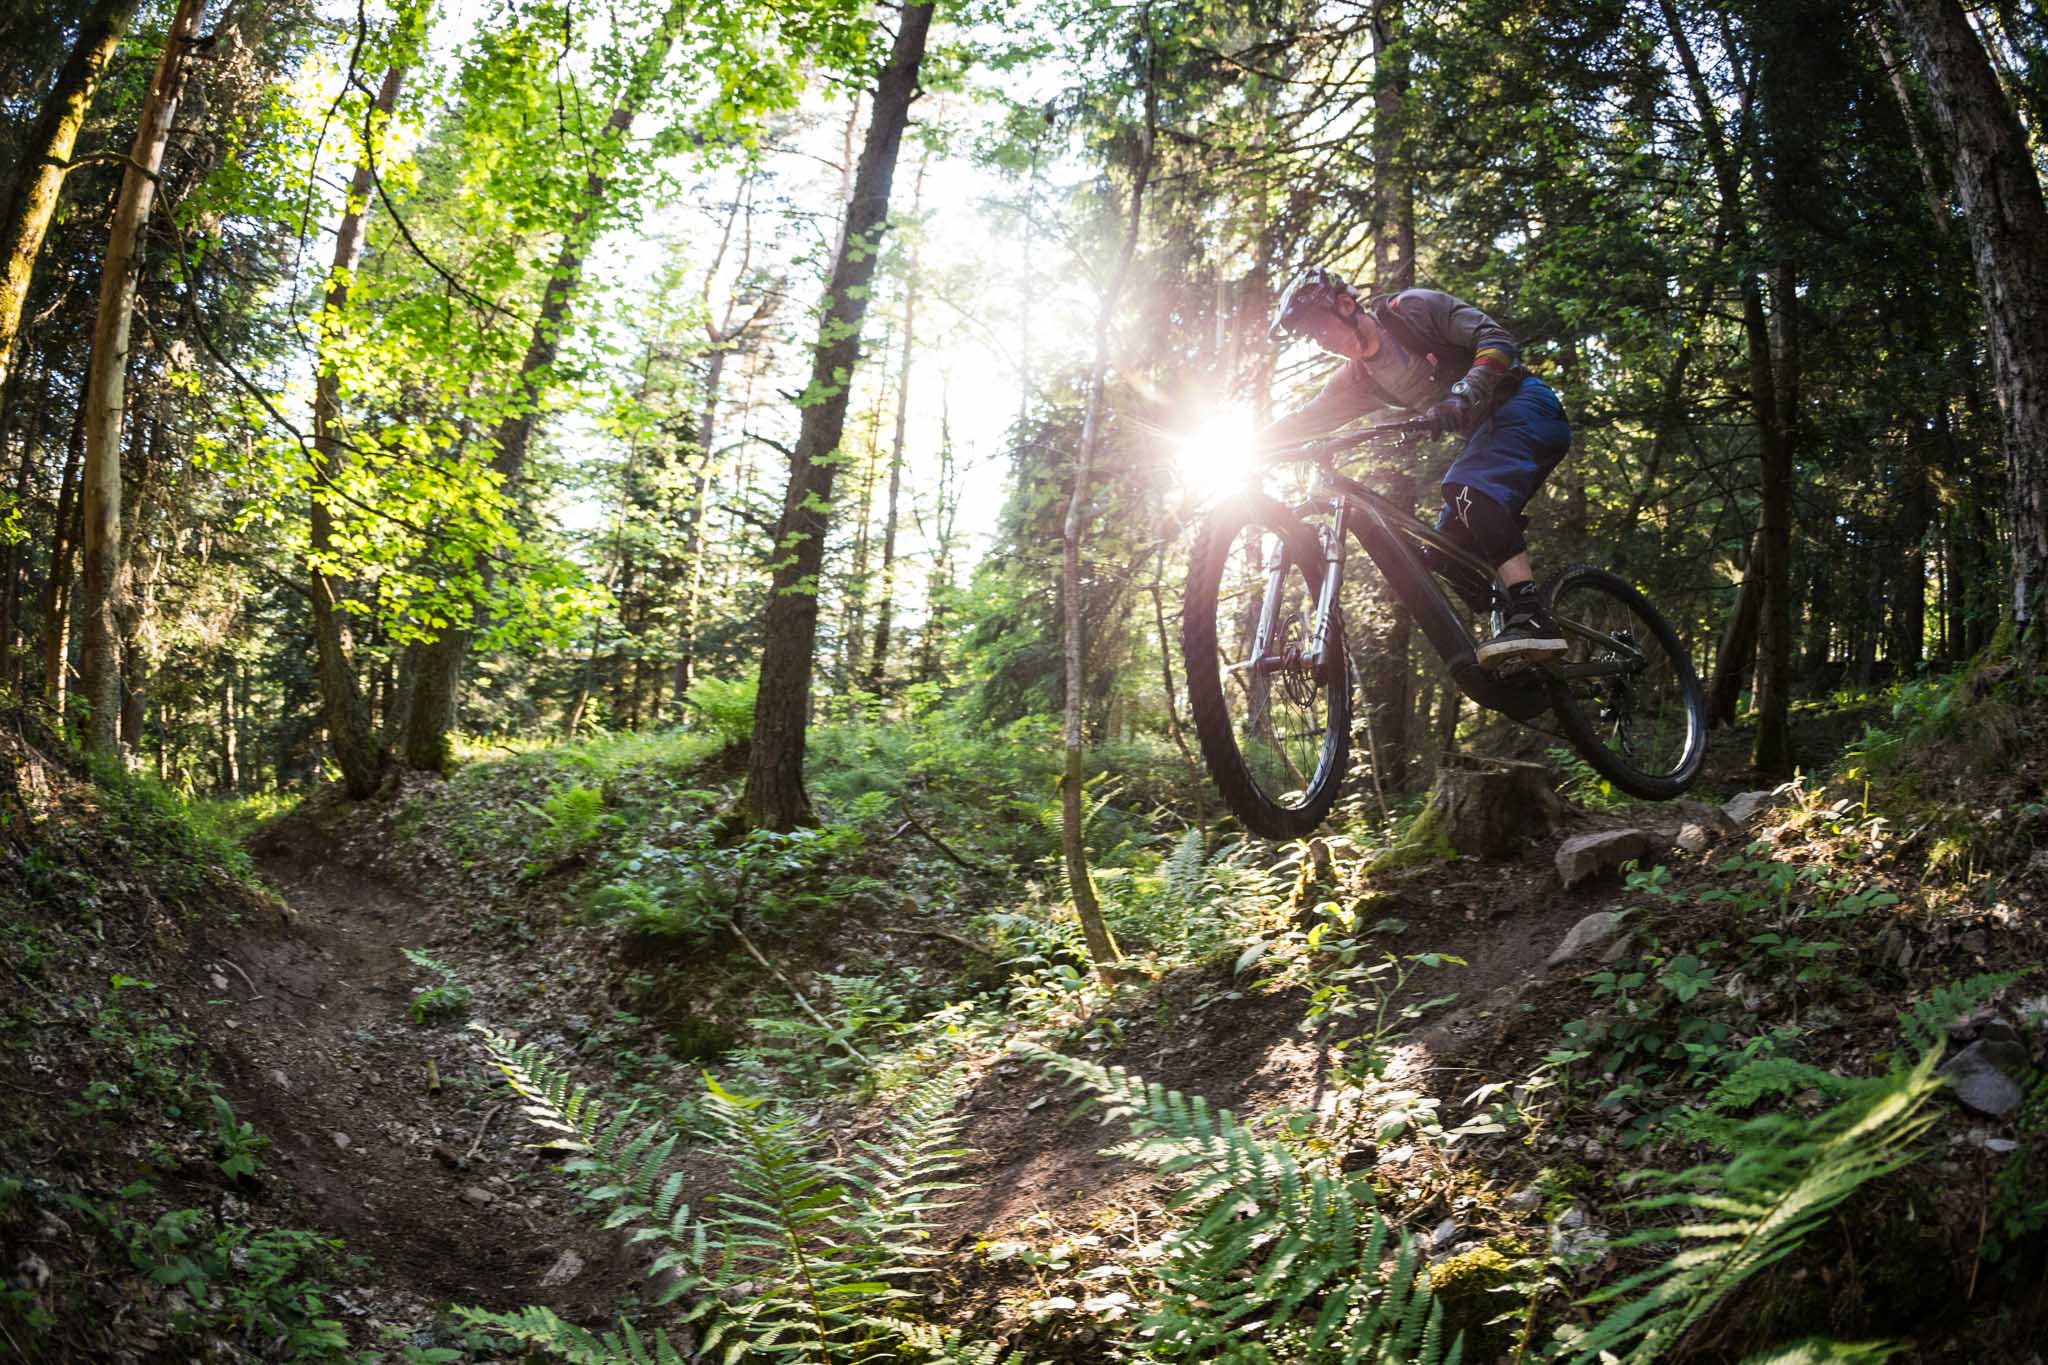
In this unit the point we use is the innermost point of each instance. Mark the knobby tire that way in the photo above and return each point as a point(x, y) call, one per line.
point(1589, 715)
point(1274, 814)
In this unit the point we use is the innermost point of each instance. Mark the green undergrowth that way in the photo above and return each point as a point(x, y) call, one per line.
point(1955, 769)
point(136, 1208)
point(1760, 1002)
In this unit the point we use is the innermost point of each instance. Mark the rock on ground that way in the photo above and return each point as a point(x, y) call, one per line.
point(1747, 807)
point(1980, 1084)
point(567, 1267)
point(1588, 855)
point(1711, 819)
point(1588, 934)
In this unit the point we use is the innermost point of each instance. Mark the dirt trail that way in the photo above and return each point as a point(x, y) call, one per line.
point(439, 1189)
point(443, 1193)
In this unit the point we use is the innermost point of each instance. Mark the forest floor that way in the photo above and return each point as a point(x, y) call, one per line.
point(388, 1125)
point(333, 1021)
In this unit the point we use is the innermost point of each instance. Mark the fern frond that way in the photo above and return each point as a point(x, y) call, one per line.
point(1183, 872)
point(1786, 1176)
point(797, 1259)
point(539, 1329)
point(943, 1346)
point(900, 1179)
point(1926, 1024)
point(1280, 1262)
point(1818, 1351)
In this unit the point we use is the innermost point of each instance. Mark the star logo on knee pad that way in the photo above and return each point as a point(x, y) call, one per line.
point(1464, 506)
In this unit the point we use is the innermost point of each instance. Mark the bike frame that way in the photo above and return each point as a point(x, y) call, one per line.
point(1391, 537)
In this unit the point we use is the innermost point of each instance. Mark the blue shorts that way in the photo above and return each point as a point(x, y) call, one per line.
point(1515, 449)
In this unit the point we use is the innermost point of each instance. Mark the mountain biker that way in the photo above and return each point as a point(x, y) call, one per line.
point(1429, 352)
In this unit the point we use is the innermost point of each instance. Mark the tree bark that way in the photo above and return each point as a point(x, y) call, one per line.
point(1490, 807)
point(1909, 583)
point(853, 638)
point(1775, 391)
point(1390, 694)
point(693, 523)
point(878, 665)
point(2000, 191)
point(1738, 643)
point(437, 685)
point(11, 563)
point(1772, 752)
point(1391, 688)
point(106, 379)
point(230, 760)
point(1393, 190)
point(1081, 884)
point(132, 616)
point(57, 590)
point(38, 180)
point(775, 796)
point(938, 585)
point(356, 750)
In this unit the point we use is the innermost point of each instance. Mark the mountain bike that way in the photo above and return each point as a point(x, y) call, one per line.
point(1270, 677)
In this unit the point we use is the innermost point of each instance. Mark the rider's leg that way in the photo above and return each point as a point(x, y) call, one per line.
point(1485, 489)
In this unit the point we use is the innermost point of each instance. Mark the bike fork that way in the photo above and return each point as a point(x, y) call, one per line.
point(1326, 598)
point(1269, 614)
point(1315, 655)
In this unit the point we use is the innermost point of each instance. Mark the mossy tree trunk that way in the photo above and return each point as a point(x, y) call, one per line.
point(106, 385)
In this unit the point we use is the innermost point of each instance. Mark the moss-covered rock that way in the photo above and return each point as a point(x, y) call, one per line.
point(1468, 1285)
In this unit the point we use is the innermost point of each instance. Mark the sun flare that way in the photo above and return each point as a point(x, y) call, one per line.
point(1218, 451)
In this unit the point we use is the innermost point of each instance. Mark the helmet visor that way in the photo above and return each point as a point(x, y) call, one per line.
point(1308, 302)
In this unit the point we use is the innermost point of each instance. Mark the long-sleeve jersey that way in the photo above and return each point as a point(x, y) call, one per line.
point(1396, 377)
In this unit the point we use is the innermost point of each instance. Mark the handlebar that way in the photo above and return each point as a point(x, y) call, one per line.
point(1386, 433)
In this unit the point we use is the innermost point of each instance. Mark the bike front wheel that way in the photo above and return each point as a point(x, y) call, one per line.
point(1625, 693)
point(1274, 720)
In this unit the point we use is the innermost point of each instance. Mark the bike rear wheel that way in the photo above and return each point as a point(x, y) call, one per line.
point(1643, 727)
point(1275, 730)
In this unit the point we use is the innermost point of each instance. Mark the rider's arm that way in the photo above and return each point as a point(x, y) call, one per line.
point(1495, 352)
point(1347, 396)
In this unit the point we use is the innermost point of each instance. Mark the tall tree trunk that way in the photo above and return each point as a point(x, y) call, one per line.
point(725, 336)
point(1909, 586)
point(938, 586)
point(1393, 245)
point(885, 611)
point(230, 761)
point(24, 469)
point(437, 683)
point(775, 796)
point(1771, 563)
point(138, 661)
point(38, 179)
point(57, 590)
point(853, 640)
point(1169, 691)
point(1081, 884)
point(356, 750)
point(2000, 191)
point(693, 524)
point(1738, 643)
point(106, 379)
point(1775, 391)
point(1391, 689)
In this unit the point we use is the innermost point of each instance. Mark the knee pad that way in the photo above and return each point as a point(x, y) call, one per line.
point(1480, 524)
